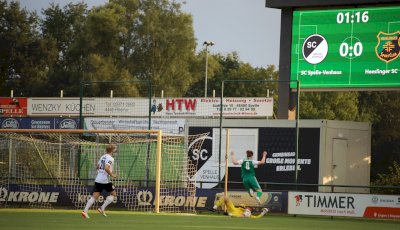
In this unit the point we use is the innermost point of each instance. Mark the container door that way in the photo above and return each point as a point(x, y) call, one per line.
point(339, 162)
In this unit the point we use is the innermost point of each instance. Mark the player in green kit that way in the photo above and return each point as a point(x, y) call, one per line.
point(248, 174)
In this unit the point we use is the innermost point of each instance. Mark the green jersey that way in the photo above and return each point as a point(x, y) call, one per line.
point(247, 167)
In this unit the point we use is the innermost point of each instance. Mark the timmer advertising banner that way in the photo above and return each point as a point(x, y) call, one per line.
point(344, 204)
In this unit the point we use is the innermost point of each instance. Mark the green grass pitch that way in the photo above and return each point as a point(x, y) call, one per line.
point(17, 219)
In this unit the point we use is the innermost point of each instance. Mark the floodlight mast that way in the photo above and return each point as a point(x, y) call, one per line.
point(207, 44)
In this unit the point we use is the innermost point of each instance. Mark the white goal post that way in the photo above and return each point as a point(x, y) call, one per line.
point(154, 171)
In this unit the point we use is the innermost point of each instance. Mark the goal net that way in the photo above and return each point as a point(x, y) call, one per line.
point(50, 168)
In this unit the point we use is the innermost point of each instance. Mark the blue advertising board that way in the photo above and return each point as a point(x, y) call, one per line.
point(39, 123)
point(15, 195)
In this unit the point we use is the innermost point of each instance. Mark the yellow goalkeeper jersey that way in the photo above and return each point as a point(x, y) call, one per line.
point(235, 211)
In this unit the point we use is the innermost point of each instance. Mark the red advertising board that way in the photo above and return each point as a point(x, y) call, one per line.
point(382, 212)
point(11, 107)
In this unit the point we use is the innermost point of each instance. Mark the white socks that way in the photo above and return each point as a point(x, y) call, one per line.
point(91, 201)
point(108, 201)
point(89, 204)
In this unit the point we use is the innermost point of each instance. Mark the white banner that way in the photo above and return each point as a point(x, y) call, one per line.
point(344, 204)
point(173, 126)
point(210, 107)
point(91, 106)
point(159, 107)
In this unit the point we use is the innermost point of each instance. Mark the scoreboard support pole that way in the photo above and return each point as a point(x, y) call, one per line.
point(284, 93)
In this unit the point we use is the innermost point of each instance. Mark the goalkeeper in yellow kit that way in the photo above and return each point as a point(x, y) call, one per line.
point(241, 211)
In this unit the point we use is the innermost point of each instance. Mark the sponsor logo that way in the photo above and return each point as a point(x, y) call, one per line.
point(83, 198)
point(386, 200)
point(30, 197)
point(156, 108)
point(388, 48)
point(180, 104)
point(328, 202)
point(315, 49)
point(267, 199)
point(202, 155)
point(68, 124)
point(374, 199)
point(40, 124)
point(298, 199)
point(13, 106)
point(10, 123)
point(144, 197)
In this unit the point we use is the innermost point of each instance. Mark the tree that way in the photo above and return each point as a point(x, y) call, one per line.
point(382, 109)
point(391, 178)
point(62, 26)
point(163, 43)
point(128, 40)
point(329, 105)
point(244, 80)
point(197, 70)
point(23, 54)
point(229, 67)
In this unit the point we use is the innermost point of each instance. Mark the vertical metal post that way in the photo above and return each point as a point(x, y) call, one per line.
point(147, 176)
point(226, 163)
point(59, 155)
point(207, 44)
point(81, 106)
point(10, 172)
point(205, 81)
point(150, 89)
point(297, 131)
point(220, 132)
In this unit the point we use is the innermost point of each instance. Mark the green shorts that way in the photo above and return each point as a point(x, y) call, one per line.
point(251, 183)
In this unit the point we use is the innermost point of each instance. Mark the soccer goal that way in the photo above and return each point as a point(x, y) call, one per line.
point(50, 168)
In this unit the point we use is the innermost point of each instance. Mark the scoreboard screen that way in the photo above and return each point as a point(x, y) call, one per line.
point(346, 48)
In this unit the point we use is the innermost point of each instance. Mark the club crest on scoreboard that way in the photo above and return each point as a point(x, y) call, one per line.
point(388, 48)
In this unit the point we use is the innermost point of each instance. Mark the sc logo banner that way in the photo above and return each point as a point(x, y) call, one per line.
point(203, 154)
point(315, 49)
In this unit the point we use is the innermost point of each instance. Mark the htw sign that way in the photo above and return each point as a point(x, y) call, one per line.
point(181, 104)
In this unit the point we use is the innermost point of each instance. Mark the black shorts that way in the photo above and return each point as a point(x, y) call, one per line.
point(100, 187)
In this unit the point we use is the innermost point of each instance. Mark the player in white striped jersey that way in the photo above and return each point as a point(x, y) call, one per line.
point(102, 182)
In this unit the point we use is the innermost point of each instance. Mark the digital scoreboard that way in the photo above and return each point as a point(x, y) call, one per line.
point(346, 48)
